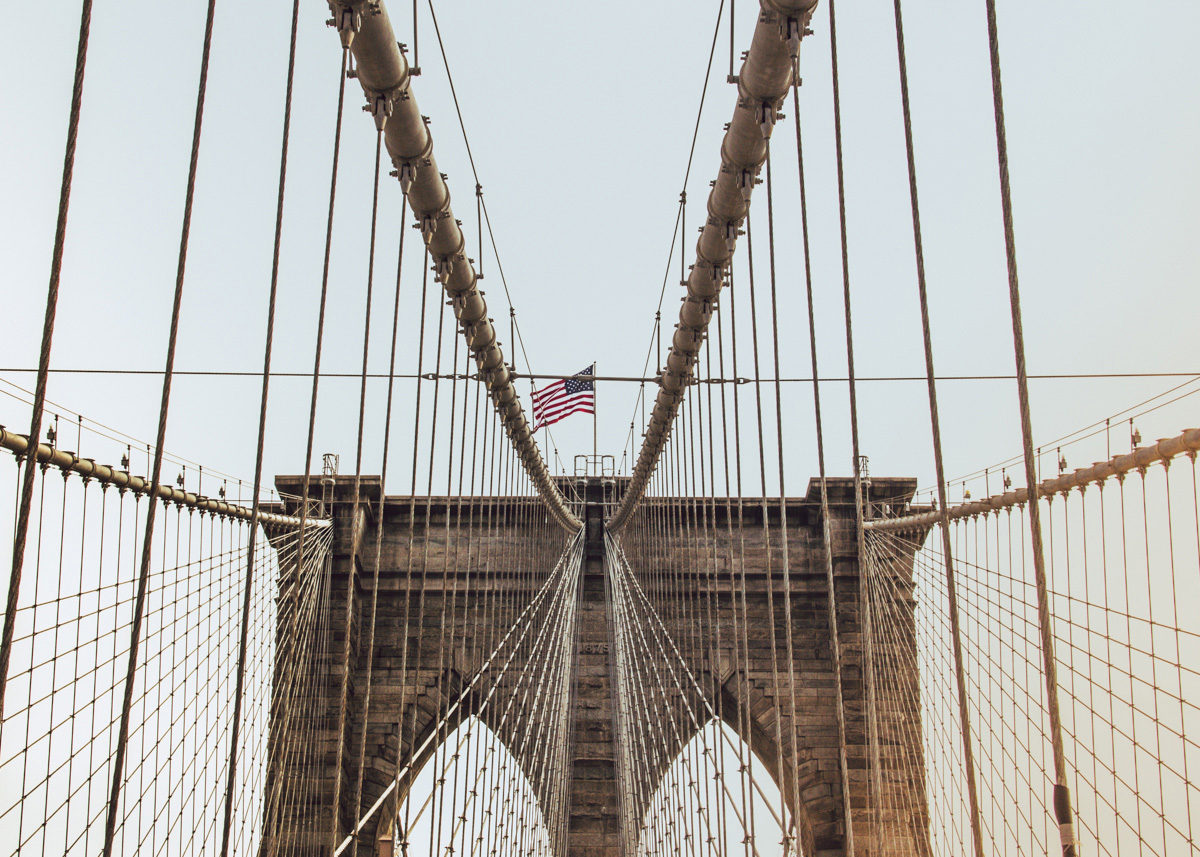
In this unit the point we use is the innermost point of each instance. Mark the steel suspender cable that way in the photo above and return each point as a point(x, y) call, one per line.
point(21, 527)
point(382, 500)
point(262, 430)
point(355, 507)
point(467, 589)
point(412, 528)
point(826, 535)
point(384, 74)
point(445, 624)
point(762, 85)
point(850, 355)
point(433, 434)
point(1062, 795)
point(156, 472)
point(316, 373)
point(936, 431)
point(746, 713)
point(763, 510)
point(854, 462)
point(387, 433)
point(789, 635)
point(740, 633)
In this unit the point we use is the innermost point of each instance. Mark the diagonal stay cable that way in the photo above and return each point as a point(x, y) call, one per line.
point(252, 534)
point(21, 529)
point(524, 618)
point(660, 632)
point(155, 479)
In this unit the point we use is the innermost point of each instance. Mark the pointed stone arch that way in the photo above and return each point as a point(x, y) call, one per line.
point(731, 685)
point(480, 750)
point(717, 753)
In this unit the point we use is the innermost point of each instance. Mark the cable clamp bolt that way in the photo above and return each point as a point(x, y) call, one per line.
point(731, 234)
point(379, 105)
point(791, 29)
point(406, 173)
point(764, 116)
point(746, 181)
point(427, 225)
point(348, 21)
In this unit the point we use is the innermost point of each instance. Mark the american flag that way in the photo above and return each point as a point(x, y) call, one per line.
point(564, 397)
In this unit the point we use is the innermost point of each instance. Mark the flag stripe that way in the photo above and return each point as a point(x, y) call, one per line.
point(568, 408)
point(552, 420)
point(558, 413)
point(546, 392)
point(550, 399)
point(566, 400)
point(564, 397)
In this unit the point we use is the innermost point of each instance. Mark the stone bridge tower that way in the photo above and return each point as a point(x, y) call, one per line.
point(594, 811)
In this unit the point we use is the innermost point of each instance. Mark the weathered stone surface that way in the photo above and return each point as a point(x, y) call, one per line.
point(443, 563)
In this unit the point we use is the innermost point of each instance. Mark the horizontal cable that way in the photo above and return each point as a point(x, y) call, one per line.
point(633, 379)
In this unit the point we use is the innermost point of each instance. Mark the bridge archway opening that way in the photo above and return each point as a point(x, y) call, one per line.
point(472, 796)
point(717, 797)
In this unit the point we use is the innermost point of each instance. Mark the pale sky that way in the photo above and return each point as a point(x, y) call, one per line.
point(580, 120)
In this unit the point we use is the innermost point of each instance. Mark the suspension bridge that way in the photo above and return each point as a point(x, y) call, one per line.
point(680, 649)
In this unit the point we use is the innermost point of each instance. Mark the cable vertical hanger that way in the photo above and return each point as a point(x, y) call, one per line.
point(936, 432)
point(356, 500)
point(826, 535)
point(1064, 814)
point(789, 635)
point(402, 770)
point(269, 338)
point(383, 469)
point(854, 460)
point(346, 24)
point(425, 535)
point(746, 717)
point(739, 631)
point(764, 512)
point(160, 440)
point(370, 646)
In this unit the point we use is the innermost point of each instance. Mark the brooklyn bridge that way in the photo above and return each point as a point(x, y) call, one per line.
point(717, 627)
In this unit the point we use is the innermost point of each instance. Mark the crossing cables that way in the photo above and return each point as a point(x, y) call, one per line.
point(384, 74)
point(763, 83)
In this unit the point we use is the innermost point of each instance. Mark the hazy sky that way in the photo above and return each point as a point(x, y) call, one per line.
point(580, 120)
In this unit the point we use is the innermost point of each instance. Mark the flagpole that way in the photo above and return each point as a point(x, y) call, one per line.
point(595, 444)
